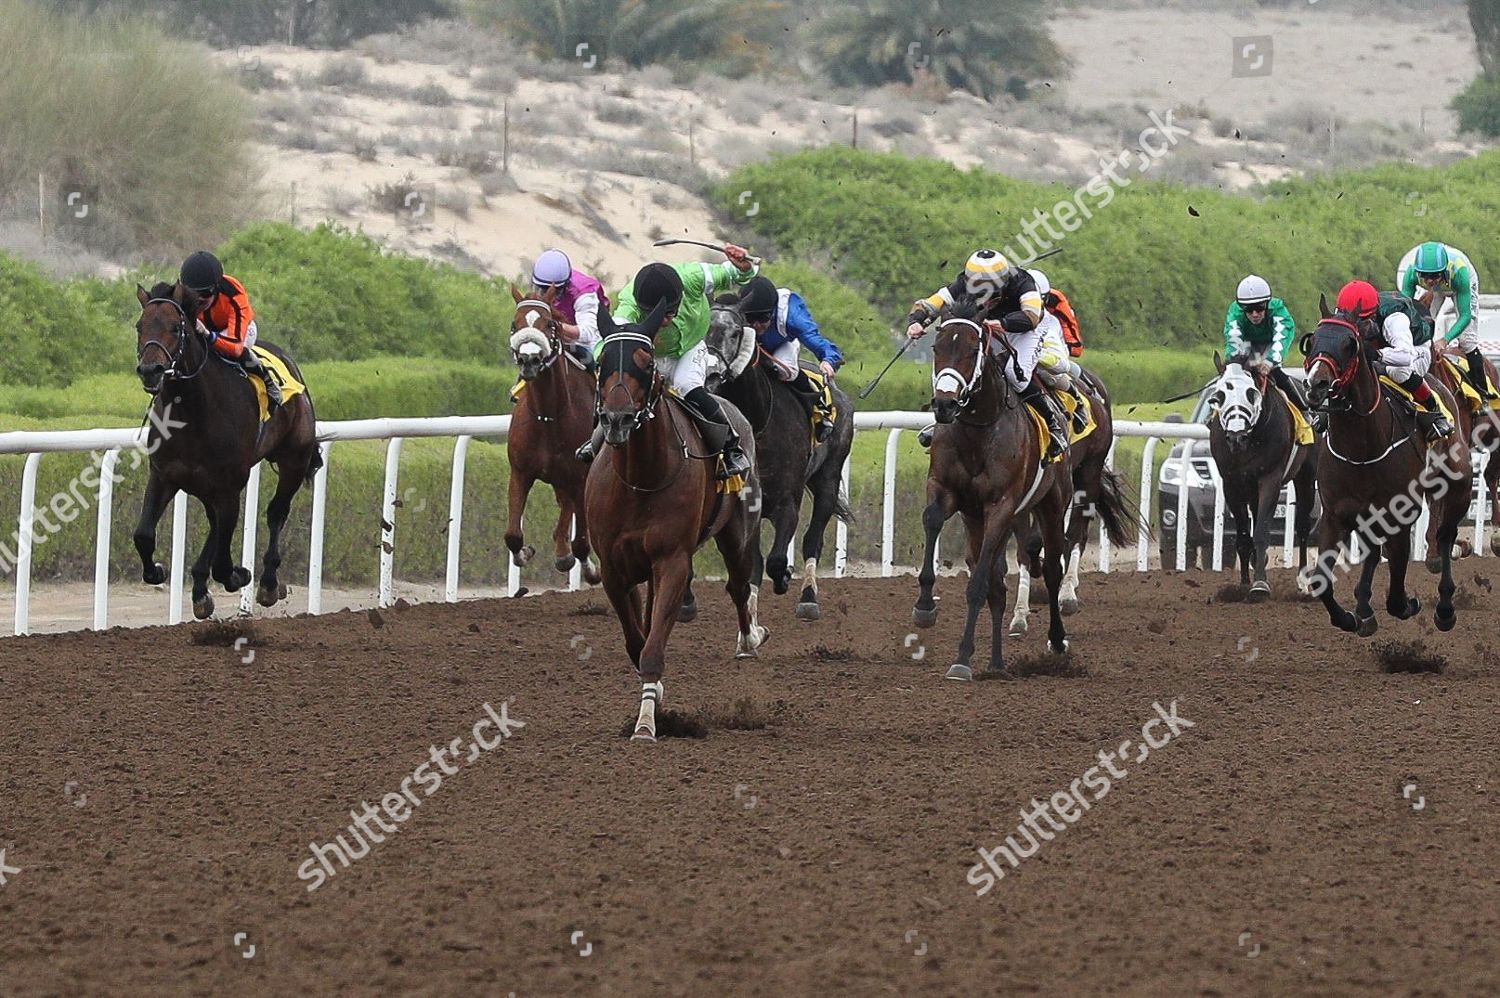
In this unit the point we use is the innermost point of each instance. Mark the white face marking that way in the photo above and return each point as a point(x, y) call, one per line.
point(531, 318)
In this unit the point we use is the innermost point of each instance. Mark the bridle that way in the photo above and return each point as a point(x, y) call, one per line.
point(174, 357)
point(647, 411)
point(966, 386)
point(1251, 413)
point(1342, 379)
point(548, 329)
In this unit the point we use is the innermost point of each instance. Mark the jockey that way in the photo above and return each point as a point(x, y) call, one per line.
point(1444, 272)
point(782, 323)
point(1406, 334)
point(1010, 303)
point(1260, 326)
point(1055, 365)
point(577, 302)
point(223, 314)
point(681, 346)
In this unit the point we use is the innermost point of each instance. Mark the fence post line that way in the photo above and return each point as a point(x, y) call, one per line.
point(315, 544)
point(841, 530)
point(456, 515)
point(1184, 466)
point(247, 547)
point(1104, 549)
point(1143, 526)
point(1213, 474)
point(102, 537)
point(888, 505)
point(1288, 523)
point(179, 558)
point(1481, 512)
point(26, 536)
point(388, 523)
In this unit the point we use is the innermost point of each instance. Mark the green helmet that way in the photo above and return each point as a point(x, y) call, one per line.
point(1432, 258)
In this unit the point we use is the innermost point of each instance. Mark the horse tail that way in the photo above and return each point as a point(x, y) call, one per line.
point(841, 507)
point(1119, 514)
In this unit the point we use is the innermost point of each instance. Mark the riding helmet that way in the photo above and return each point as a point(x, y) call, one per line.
point(1253, 290)
point(1432, 259)
point(654, 284)
point(201, 272)
point(985, 271)
point(759, 299)
point(1359, 298)
point(552, 269)
point(1043, 286)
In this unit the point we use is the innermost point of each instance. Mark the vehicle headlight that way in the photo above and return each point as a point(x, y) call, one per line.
point(1171, 470)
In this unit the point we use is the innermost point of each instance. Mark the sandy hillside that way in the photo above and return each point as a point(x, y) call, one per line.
point(602, 163)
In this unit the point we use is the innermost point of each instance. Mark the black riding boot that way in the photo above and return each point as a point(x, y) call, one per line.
point(803, 385)
point(1036, 397)
point(250, 361)
point(591, 446)
point(585, 357)
point(1284, 382)
point(1437, 427)
point(1477, 376)
point(924, 435)
point(714, 423)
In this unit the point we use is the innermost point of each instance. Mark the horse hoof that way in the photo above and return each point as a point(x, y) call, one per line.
point(1495, 541)
point(271, 596)
point(239, 578)
point(591, 574)
point(780, 584)
point(1068, 607)
point(1462, 549)
point(1018, 628)
point(924, 618)
point(1057, 649)
point(203, 608)
point(748, 646)
point(565, 564)
point(1259, 592)
point(1367, 626)
point(1445, 623)
point(809, 611)
point(687, 613)
point(521, 557)
point(960, 673)
point(1435, 566)
point(643, 735)
point(155, 575)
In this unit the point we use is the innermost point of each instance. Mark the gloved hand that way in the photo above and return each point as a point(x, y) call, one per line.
point(827, 369)
point(1017, 322)
point(915, 331)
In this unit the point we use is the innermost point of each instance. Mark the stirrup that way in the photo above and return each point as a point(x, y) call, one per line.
point(586, 452)
point(734, 462)
point(924, 435)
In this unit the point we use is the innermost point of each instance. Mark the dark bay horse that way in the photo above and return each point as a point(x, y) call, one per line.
point(1374, 470)
point(788, 462)
point(1254, 444)
point(1098, 494)
point(1482, 430)
point(554, 416)
point(652, 500)
point(986, 464)
point(215, 437)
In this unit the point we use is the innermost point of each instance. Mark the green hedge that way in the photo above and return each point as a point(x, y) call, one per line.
point(1155, 266)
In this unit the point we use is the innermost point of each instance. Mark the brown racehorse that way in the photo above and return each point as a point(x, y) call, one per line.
point(652, 500)
point(986, 465)
point(215, 438)
point(554, 416)
point(1482, 430)
point(1253, 441)
point(1098, 494)
point(1373, 467)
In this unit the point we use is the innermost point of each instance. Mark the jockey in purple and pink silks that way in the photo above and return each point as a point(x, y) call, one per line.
point(579, 299)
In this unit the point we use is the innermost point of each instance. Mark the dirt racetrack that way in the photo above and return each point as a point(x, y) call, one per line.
point(1323, 828)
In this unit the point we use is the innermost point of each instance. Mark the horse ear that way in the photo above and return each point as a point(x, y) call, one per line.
point(1218, 362)
point(607, 324)
point(515, 293)
point(1305, 344)
point(1323, 305)
point(652, 322)
point(142, 296)
point(550, 295)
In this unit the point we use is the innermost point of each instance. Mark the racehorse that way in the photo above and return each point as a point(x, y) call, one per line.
point(553, 417)
point(205, 438)
point(1373, 462)
point(789, 461)
point(1482, 430)
point(1098, 491)
point(986, 464)
point(652, 500)
point(1253, 440)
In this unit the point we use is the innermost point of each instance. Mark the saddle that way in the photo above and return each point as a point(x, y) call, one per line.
point(1302, 429)
point(274, 367)
point(715, 436)
point(1459, 364)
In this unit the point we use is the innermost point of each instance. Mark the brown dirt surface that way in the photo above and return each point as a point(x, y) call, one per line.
point(159, 796)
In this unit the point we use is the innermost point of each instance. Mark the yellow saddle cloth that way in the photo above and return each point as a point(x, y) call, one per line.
point(276, 368)
point(731, 486)
point(1070, 406)
point(1403, 393)
point(1300, 425)
point(1472, 398)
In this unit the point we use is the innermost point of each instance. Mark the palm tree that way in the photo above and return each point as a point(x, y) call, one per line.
point(981, 46)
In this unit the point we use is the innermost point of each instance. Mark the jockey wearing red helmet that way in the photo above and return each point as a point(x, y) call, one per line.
point(1405, 335)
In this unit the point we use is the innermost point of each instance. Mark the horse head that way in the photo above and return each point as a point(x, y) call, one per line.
point(1336, 351)
point(957, 359)
point(731, 343)
point(1238, 395)
point(163, 333)
point(534, 339)
point(629, 383)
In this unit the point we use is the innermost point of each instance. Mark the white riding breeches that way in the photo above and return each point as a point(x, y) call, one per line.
point(1027, 347)
point(785, 357)
point(687, 372)
point(1421, 363)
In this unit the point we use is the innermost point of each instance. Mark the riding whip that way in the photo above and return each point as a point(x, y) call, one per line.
point(698, 242)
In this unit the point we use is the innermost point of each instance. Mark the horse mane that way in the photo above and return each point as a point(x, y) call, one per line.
point(162, 289)
point(727, 300)
point(964, 307)
point(1259, 365)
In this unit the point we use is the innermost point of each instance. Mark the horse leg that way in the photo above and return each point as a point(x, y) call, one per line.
point(1363, 612)
point(225, 572)
point(784, 530)
point(1321, 583)
point(1068, 600)
point(520, 487)
point(158, 494)
point(1020, 621)
point(940, 507)
point(1055, 548)
point(1265, 512)
point(737, 544)
point(581, 547)
point(997, 525)
point(289, 480)
point(1244, 545)
point(627, 603)
point(203, 603)
point(1446, 616)
point(1398, 552)
point(669, 580)
point(688, 611)
point(1306, 484)
point(825, 495)
point(562, 547)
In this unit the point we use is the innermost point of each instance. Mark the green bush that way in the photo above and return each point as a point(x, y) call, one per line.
point(1144, 271)
point(1478, 106)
